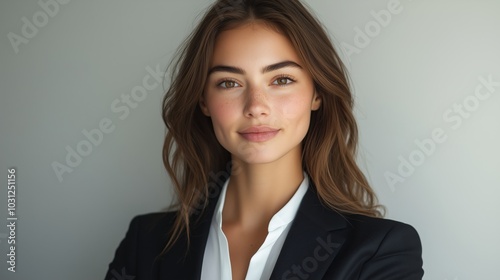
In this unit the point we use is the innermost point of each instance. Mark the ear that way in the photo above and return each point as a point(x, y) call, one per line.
point(203, 106)
point(316, 102)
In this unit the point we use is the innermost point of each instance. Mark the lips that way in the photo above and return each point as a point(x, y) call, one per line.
point(259, 133)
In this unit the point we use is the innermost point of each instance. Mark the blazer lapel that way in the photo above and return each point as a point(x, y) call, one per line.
point(314, 239)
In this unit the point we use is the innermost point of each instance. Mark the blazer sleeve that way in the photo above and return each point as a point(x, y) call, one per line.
point(124, 264)
point(398, 257)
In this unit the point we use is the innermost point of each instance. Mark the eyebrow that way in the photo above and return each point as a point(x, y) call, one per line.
point(269, 68)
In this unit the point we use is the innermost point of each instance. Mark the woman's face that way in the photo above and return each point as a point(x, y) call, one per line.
point(258, 94)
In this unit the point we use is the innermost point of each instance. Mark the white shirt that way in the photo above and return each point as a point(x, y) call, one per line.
point(216, 261)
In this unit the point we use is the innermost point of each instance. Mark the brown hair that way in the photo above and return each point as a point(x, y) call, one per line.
point(191, 152)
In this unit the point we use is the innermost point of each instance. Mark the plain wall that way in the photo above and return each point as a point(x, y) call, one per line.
point(415, 76)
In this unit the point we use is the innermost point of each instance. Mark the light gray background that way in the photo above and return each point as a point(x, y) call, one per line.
point(65, 79)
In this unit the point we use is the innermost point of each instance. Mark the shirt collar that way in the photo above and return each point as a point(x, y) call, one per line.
point(282, 218)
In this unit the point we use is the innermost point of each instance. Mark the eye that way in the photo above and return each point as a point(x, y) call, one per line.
point(227, 84)
point(283, 81)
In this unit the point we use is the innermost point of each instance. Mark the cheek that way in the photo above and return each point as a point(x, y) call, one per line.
point(296, 109)
point(222, 113)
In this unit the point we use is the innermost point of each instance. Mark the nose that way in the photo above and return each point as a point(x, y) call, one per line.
point(256, 103)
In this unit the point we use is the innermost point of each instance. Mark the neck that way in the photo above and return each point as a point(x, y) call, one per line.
point(257, 191)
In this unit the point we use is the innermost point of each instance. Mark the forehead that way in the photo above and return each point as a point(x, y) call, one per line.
point(254, 43)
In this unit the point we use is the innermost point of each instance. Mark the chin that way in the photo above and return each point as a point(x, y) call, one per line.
point(255, 153)
point(262, 157)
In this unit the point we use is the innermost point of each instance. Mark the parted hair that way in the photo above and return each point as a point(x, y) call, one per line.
point(191, 152)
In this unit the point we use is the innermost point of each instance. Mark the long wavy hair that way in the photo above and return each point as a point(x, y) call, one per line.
point(191, 152)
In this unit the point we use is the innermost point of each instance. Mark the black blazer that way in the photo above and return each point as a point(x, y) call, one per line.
point(321, 244)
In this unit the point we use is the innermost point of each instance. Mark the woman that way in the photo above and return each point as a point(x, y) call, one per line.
point(261, 150)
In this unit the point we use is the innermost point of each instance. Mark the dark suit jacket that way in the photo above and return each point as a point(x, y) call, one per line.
point(321, 244)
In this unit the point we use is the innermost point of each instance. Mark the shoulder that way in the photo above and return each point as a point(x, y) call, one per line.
point(146, 237)
point(387, 249)
point(379, 227)
point(379, 234)
point(152, 222)
point(150, 231)
point(150, 228)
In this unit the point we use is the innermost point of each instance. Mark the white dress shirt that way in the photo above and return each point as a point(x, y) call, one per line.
point(216, 260)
